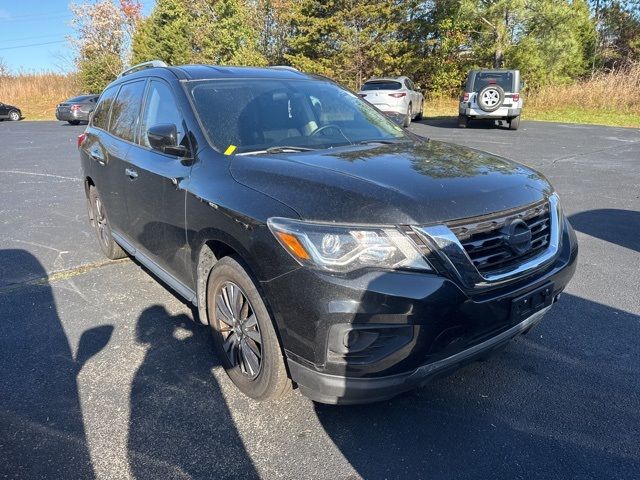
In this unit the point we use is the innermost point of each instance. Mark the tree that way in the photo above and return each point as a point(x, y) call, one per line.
point(199, 31)
point(350, 40)
point(103, 31)
point(4, 69)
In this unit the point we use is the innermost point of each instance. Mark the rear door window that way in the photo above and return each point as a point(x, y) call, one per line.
point(126, 110)
point(382, 85)
point(103, 109)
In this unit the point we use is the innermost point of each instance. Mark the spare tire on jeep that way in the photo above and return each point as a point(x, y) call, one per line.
point(490, 98)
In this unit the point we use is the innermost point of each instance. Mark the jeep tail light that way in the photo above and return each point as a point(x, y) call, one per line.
point(398, 95)
point(466, 96)
point(75, 108)
point(81, 138)
point(516, 97)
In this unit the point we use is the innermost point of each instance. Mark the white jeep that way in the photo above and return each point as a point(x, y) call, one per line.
point(492, 94)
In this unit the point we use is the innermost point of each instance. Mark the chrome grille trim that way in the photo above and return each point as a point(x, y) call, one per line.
point(446, 245)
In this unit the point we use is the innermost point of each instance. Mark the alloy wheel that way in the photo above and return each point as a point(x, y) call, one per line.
point(101, 222)
point(239, 327)
point(491, 97)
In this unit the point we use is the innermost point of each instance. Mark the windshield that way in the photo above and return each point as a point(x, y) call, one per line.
point(244, 116)
point(381, 85)
point(503, 79)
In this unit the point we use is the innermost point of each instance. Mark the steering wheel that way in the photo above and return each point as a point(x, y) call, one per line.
point(326, 127)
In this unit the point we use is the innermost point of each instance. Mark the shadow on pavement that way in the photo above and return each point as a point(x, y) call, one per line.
point(42, 432)
point(180, 425)
point(452, 122)
point(613, 225)
point(546, 407)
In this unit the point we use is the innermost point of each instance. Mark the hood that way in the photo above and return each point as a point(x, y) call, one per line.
point(407, 183)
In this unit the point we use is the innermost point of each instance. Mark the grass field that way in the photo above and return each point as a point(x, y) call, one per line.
point(606, 99)
point(37, 94)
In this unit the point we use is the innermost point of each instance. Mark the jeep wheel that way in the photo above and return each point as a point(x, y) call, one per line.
point(243, 333)
point(514, 123)
point(74, 122)
point(490, 98)
point(463, 121)
point(420, 113)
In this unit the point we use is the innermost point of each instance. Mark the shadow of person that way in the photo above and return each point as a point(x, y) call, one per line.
point(557, 403)
point(42, 432)
point(610, 224)
point(180, 425)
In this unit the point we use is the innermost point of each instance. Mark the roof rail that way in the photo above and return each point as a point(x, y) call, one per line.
point(142, 66)
point(284, 67)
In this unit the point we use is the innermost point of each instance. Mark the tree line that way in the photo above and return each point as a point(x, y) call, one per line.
point(435, 42)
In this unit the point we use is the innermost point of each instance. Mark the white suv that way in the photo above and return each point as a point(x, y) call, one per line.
point(493, 94)
point(394, 95)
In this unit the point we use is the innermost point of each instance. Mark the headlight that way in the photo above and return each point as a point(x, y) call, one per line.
point(345, 249)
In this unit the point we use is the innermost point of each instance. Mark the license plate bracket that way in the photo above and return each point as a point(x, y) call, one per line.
point(526, 305)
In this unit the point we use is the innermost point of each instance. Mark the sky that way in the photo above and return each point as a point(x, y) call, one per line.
point(32, 34)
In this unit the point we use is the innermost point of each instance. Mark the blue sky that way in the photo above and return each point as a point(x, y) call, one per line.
point(32, 34)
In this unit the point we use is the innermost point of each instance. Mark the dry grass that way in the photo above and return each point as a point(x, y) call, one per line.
point(37, 94)
point(611, 98)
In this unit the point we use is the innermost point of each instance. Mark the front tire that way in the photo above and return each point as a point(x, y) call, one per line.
point(244, 336)
point(14, 115)
point(100, 221)
point(420, 114)
point(74, 122)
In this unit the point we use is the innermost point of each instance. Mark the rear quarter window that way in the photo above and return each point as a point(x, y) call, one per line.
point(100, 117)
point(382, 85)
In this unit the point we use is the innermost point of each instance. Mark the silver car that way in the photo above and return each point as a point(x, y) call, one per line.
point(394, 95)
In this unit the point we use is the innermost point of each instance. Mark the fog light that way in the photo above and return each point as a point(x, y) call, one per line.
point(351, 338)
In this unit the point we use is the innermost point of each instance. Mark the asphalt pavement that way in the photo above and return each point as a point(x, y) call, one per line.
point(103, 373)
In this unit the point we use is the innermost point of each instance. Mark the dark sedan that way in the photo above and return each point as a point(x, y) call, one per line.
point(9, 112)
point(76, 109)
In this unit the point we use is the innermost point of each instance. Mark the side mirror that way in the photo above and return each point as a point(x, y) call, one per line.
point(164, 138)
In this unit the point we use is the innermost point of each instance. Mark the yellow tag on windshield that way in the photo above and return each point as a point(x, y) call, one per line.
point(230, 149)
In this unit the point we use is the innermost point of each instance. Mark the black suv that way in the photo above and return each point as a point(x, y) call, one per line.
point(324, 245)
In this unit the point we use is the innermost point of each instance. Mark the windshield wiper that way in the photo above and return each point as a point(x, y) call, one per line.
point(385, 142)
point(286, 148)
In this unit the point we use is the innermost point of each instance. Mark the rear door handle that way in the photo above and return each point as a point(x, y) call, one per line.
point(131, 173)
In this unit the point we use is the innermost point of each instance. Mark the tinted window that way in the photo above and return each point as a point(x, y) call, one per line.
point(503, 79)
point(382, 85)
point(101, 113)
point(253, 115)
point(125, 110)
point(160, 107)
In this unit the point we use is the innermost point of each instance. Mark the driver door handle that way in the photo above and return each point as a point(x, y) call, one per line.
point(131, 173)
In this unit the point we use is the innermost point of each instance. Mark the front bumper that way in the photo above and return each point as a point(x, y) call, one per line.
point(336, 389)
point(425, 324)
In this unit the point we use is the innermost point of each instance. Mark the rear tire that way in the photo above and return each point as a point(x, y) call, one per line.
point(74, 122)
point(14, 115)
point(419, 116)
point(244, 337)
point(514, 123)
point(100, 221)
point(407, 118)
point(463, 121)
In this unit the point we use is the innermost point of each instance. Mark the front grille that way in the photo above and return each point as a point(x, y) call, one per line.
point(484, 239)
